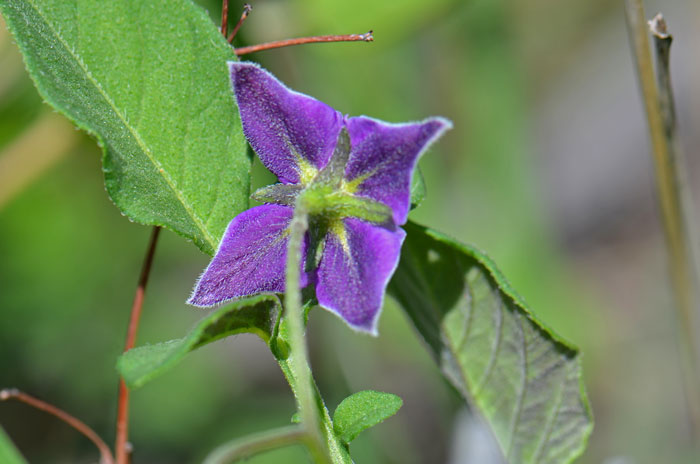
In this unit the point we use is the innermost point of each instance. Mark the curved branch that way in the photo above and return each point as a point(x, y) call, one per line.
point(246, 447)
point(77, 424)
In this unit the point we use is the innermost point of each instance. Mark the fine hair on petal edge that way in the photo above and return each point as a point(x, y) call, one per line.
point(374, 324)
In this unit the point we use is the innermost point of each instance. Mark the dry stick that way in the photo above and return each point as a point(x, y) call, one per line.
point(675, 221)
point(662, 47)
point(366, 37)
point(224, 18)
point(13, 393)
point(667, 108)
point(120, 446)
point(246, 11)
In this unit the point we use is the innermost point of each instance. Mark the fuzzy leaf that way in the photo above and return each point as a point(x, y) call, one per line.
point(257, 314)
point(149, 80)
point(363, 410)
point(522, 379)
point(9, 454)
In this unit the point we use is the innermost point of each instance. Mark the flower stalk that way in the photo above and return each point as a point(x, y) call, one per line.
point(294, 313)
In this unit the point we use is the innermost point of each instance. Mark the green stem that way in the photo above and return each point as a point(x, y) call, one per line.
point(298, 355)
point(661, 121)
point(338, 451)
point(246, 447)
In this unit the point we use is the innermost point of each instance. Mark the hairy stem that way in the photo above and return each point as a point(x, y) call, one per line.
point(661, 122)
point(338, 451)
point(247, 447)
point(120, 447)
point(366, 37)
point(322, 442)
point(80, 426)
point(298, 349)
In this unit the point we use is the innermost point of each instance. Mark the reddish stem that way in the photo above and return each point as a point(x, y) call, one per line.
point(246, 11)
point(120, 447)
point(367, 37)
point(224, 18)
point(13, 393)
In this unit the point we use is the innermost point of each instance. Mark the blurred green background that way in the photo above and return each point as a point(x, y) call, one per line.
point(547, 170)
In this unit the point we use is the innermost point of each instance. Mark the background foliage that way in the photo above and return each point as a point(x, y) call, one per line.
point(547, 172)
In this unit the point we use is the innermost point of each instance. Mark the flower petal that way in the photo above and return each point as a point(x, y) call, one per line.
point(251, 257)
point(355, 269)
point(384, 156)
point(291, 132)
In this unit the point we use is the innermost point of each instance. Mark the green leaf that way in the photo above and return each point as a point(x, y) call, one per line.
point(149, 80)
point(522, 379)
point(363, 410)
point(418, 190)
point(257, 314)
point(9, 454)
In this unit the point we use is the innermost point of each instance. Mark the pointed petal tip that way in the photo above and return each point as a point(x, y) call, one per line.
point(445, 124)
point(370, 327)
point(352, 278)
point(438, 126)
point(442, 126)
point(237, 66)
point(198, 299)
point(194, 300)
point(233, 65)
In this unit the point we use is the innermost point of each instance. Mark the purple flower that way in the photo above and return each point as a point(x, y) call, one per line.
point(352, 175)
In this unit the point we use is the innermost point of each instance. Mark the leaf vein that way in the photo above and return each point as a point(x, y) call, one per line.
point(496, 349)
point(523, 388)
point(549, 425)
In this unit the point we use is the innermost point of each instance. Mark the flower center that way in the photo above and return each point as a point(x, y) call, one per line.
point(326, 194)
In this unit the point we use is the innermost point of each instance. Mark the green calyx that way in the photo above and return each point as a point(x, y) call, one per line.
point(334, 205)
point(328, 196)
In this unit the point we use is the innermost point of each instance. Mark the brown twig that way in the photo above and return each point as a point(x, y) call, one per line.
point(13, 393)
point(246, 11)
point(224, 18)
point(366, 37)
point(120, 446)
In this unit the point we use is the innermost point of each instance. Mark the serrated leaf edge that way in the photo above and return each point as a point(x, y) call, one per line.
point(211, 242)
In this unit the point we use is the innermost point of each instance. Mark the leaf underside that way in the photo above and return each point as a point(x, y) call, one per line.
point(363, 410)
point(418, 190)
point(523, 380)
point(257, 314)
point(149, 80)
